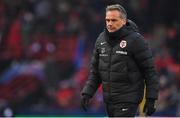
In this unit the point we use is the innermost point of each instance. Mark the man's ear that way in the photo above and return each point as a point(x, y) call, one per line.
point(124, 21)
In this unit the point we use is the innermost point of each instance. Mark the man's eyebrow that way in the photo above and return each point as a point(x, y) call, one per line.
point(110, 19)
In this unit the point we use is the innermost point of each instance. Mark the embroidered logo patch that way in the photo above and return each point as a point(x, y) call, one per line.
point(103, 43)
point(123, 44)
point(102, 50)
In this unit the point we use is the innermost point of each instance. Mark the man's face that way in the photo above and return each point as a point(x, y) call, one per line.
point(114, 20)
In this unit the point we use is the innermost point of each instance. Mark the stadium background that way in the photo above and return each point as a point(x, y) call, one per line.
point(45, 47)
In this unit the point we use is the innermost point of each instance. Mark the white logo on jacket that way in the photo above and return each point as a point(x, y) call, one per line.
point(102, 43)
point(121, 52)
point(123, 44)
point(103, 50)
point(124, 109)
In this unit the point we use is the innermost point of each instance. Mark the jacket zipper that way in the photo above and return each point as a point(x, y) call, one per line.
point(109, 85)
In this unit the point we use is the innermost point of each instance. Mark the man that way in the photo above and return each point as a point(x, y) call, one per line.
point(123, 63)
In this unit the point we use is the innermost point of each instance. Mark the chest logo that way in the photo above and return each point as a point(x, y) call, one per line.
point(103, 50)
point(102, 43)
point(123, 44)
point(103, 54)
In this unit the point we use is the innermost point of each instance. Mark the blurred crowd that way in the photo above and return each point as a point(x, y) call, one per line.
point(46, 45)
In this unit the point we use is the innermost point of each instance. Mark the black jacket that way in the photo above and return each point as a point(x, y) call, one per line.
point(123, 63)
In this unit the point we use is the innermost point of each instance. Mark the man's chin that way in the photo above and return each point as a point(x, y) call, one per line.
point(111, 31)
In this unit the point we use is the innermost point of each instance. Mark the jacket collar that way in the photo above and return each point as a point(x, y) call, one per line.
point(123, 31)
point(119, 34)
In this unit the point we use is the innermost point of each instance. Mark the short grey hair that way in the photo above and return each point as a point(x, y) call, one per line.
point(119, 8)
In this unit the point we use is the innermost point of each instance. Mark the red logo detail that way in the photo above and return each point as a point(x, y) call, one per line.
point(123, 44)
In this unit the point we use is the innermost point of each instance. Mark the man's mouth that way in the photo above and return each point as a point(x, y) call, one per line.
point(110, 28)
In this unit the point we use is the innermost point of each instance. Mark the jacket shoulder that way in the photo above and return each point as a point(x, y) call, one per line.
point(136, 41)
point(100, 38)
point(136, 37)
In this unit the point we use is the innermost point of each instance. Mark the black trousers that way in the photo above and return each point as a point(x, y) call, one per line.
point(121, 109)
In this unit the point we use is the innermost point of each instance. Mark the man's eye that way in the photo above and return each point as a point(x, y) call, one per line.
point(113, 20)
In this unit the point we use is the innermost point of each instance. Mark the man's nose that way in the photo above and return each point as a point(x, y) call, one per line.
point(110, 23)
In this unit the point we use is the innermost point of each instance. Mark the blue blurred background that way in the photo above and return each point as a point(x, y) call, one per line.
point(46, 45)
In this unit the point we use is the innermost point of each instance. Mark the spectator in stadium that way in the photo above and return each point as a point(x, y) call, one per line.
point(123, 63)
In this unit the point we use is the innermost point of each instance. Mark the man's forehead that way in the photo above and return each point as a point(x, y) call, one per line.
point(113, 13)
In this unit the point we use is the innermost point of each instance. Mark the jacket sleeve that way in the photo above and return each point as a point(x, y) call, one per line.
point(94, 80)
point(144, 59)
